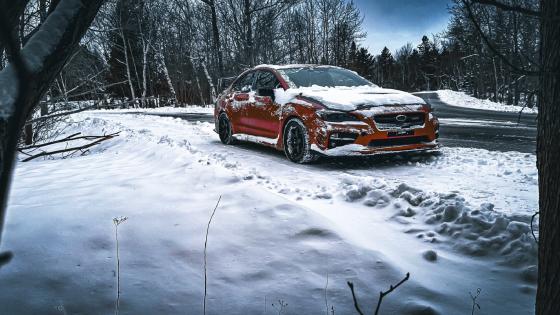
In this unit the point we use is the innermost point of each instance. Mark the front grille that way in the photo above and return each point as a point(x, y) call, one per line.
point(393, 142)
point(399, 121)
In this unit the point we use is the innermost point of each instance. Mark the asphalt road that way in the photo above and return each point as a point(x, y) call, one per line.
point(491, 130)
point(460, 127)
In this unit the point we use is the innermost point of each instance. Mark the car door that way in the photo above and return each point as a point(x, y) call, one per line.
point(241, 98)
point(265, 115)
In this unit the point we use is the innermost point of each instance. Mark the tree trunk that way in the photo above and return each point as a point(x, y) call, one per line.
point(195, 72)
point(127, 64)
point(145, 51)
point(216, 35)
point(163, 65)
point(16, 100)
point(213, 95)
point(247, 16)
point(548, 162)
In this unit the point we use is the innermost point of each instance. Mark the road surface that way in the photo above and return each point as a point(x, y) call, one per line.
point(485, 129)
point(460, 127)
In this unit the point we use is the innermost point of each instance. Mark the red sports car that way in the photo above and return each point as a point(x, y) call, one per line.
point(313, 110)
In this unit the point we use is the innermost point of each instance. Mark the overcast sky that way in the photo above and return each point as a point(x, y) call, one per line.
point(393, 23)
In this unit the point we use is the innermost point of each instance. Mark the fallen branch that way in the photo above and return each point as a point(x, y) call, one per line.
point(72, 149)
point(70, 137)
point(65, 113)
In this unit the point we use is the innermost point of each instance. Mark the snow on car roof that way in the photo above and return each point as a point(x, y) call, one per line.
point(291, 66)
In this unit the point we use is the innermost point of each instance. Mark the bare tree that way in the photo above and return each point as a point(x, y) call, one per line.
point(548, 147)
point(32, 70)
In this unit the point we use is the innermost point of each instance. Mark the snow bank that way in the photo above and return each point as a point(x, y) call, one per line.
point(463, 100)
point(194, 109)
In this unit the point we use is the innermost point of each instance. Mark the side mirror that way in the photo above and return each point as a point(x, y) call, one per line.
point(241, 97)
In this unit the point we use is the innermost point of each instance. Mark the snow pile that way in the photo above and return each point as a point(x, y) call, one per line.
point(461, 99)
point(348, 98)
point(448, 218)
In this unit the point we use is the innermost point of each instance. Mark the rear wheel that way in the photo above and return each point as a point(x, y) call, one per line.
point(225, 130)
point(296, 142)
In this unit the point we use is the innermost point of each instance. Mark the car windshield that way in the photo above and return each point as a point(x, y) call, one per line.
point(322, 76)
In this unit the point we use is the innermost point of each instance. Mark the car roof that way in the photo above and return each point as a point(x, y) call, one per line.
point(292, 66)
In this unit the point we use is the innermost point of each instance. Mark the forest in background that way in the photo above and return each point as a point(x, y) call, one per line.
point(177, 50)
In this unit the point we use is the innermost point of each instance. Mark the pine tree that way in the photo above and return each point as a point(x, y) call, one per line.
point(386, 64)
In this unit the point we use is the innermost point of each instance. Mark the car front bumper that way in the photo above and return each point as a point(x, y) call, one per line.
point(363, 139)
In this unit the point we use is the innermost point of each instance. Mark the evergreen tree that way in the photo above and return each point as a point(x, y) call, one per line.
point(386, 64)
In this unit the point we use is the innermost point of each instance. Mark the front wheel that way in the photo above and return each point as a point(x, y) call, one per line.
point(296, 142)
point(225, 130)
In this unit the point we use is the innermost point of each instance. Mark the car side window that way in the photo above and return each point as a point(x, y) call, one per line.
point(266, 80)
point(244, 83)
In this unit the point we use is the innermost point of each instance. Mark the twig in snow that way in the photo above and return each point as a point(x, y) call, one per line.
point(205, 247)
point(473, 298)
point(326, 294)
point(117, 222)
point(391, 288)
point(532, 230)
point(280, 307)
point(356, 305)
point(381, 294)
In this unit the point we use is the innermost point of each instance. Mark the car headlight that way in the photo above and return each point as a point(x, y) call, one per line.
point(334, 116)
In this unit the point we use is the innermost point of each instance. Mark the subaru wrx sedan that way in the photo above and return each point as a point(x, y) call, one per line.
point(310, 111)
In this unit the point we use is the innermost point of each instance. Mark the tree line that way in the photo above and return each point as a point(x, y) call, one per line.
point(179, 50)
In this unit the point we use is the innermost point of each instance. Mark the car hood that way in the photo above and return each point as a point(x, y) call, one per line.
point(355, 98)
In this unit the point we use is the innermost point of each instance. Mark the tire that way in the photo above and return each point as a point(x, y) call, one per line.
point(225, 130)
point(296, 142)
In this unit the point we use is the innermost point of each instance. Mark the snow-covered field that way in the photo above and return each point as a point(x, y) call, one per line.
point(461, 99)
point(457, 221)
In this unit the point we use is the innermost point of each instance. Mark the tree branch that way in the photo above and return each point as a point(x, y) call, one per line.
point(511, 8)
point(73, 149)
point(391, 289)
point(65, 113)
point(356, 306)
point(491, 46)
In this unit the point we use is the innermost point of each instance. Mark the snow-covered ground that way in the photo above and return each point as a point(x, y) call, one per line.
point(457, 221)
point(461, 99)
